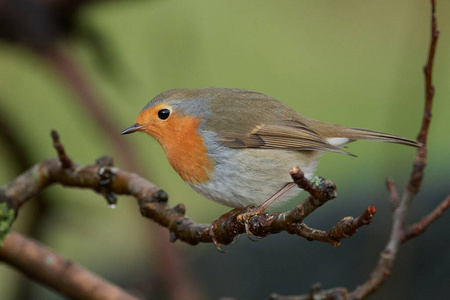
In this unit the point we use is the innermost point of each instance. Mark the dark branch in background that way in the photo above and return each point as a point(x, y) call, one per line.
point(51, 269)
point(400, 204)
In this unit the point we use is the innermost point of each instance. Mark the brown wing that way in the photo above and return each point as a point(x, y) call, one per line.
point(289, 135)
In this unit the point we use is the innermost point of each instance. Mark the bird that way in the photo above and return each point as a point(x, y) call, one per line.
point(235, 147)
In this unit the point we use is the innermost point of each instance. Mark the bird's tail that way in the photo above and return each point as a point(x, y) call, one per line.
point(370, 135)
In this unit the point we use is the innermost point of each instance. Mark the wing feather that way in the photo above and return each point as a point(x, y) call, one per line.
point(289, 135)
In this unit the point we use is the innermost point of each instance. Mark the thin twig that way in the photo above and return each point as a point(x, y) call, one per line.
point(319, 188)
point(418, 228)
point(349, 226)
point(394, 199)
point(420, 161)
point(66, 162)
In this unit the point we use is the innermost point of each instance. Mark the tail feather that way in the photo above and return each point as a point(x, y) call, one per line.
point(370, 135)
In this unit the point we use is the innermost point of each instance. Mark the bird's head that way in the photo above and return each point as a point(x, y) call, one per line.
point(173, 118)
point(169, 114)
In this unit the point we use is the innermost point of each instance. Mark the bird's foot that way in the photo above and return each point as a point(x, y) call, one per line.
point(253, 211)
point(216, 225)
point(250, 211)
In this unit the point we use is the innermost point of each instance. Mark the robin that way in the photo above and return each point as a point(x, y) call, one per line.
point(235, 147)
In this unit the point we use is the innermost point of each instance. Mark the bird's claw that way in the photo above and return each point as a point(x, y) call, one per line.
point(218, 245)
point(245, 218)
point(213, 237)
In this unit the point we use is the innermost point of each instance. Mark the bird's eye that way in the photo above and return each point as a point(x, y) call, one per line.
point(163, 113)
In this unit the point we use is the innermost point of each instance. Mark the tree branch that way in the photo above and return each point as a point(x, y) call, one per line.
point(57, 272)
point(418, 228)
point(420, 161)
point(107, 180)
point(399, 204)
point(383, 269)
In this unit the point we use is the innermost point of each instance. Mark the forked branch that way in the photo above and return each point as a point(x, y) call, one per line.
point(400, 233)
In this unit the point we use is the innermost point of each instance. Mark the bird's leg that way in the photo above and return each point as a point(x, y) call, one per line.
point(260, 209)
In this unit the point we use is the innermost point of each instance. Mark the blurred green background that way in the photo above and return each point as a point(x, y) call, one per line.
point(355, 63)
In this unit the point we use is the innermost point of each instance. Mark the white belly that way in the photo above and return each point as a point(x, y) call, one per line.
point(245, 177)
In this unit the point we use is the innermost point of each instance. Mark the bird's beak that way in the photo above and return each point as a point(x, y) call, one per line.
point(133, 128)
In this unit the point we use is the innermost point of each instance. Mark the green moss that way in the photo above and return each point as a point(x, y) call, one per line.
point(317, 181)
point(6, 220)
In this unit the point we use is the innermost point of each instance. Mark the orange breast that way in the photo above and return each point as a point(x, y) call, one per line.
point(183, 145)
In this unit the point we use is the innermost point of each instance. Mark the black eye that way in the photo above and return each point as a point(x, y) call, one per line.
point(163, 113)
